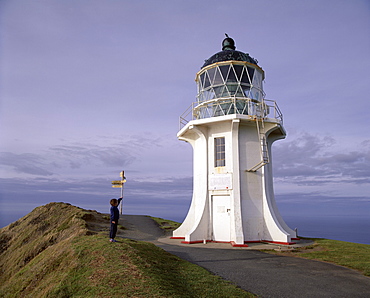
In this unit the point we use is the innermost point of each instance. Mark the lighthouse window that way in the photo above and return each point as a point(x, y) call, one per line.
point(207, 83)
point(238, 71)
point(257, 80)
point(211, 73)
point(219, 152)
point(218, 79)
point(250, 72)
point(224, 70)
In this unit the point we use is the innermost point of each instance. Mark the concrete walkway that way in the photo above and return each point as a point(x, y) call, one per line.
point(263, 274)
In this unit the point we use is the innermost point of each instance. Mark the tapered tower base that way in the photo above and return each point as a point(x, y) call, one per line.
point(231, 203)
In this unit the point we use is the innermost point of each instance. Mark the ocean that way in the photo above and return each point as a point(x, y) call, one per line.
point(343, 228)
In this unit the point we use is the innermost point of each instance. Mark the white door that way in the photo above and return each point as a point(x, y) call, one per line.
point(221, 218)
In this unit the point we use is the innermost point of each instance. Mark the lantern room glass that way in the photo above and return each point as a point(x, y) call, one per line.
point(230, 80)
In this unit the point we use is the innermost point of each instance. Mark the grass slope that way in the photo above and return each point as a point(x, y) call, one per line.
point(59, 250)
point(351, 255)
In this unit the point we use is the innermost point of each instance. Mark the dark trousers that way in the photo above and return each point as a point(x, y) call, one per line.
point(113, 230)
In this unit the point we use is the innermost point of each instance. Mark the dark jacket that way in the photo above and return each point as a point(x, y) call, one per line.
point(114, 213)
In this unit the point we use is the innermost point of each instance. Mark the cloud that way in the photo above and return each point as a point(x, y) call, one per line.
point(163, 190)
point(27, 163)
point(166, 189)
point(316, 204)
point(89, 154)
point(315, 160)
point(97, 154)
point(317, 197)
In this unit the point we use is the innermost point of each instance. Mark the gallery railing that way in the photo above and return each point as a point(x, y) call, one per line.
point(266, 109)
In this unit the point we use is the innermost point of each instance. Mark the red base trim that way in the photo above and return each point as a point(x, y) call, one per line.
point(238, 245)
point(192, 242)
point(177, 237)
point(296, 238)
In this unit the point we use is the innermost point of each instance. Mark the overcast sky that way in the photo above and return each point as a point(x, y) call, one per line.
point(91, 88)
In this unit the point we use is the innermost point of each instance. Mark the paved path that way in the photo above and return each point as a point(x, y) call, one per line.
point(263, 274)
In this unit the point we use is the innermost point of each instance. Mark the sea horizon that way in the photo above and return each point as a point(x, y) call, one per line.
point(347, 228)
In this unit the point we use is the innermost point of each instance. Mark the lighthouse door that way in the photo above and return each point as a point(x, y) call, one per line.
point(221, 218)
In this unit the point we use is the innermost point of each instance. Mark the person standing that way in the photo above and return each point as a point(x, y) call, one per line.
point(114, 216)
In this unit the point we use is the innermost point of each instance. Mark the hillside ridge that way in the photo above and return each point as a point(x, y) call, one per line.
point(54, 226)
point(59, 250)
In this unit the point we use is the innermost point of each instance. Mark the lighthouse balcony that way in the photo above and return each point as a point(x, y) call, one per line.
point(265, 109)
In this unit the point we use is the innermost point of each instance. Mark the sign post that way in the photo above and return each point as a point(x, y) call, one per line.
point(120, 184)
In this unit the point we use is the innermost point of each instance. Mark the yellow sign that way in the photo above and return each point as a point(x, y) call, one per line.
point(119, 183)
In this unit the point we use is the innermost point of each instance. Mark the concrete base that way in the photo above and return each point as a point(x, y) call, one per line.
point(256, 245)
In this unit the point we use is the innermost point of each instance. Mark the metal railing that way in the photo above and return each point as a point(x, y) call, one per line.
point(266, 109)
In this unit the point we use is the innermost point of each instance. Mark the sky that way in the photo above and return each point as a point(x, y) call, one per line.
point(91, 88)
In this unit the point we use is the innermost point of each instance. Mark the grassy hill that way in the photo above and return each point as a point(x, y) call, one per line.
point(59, 250)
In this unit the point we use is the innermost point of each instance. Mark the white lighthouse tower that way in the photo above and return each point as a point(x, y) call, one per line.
point(231, 128)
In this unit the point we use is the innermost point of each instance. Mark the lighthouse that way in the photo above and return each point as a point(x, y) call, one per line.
point(231, 128)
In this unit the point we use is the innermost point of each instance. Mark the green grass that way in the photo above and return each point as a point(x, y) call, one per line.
point(131, 268)
point(165, 224)
point(351, 255)
point(52, 253)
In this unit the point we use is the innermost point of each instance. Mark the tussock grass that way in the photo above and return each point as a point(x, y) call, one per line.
point(59, 250)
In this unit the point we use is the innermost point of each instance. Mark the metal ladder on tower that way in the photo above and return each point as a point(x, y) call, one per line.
point(263, 145)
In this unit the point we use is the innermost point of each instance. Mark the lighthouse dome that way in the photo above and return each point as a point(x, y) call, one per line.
point(229, 53)
point(230, 75)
